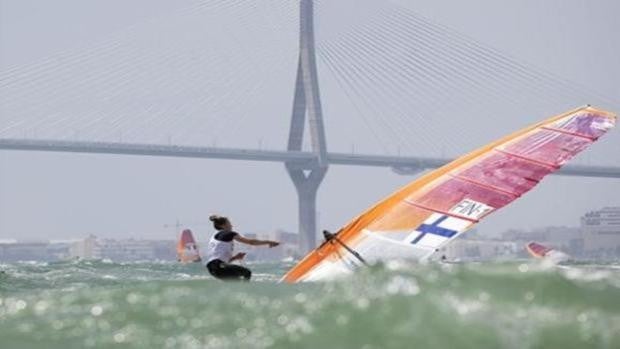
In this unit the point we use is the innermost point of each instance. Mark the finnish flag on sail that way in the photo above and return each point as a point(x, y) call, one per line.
point(437, 229)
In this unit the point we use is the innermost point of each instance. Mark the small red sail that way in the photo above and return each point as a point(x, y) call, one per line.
point(547, 254)
point(187, 250)
point(537, 250)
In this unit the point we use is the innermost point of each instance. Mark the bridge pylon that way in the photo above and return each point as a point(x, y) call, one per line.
point(307, 105)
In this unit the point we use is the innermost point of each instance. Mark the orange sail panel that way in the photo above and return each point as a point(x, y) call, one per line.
point(431, 211)
point(187, 250)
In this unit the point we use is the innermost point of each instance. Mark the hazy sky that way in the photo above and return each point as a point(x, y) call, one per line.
point(53, 195)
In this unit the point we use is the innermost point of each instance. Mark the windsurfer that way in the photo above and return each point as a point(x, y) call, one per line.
point(220, 250)
point(187, 250)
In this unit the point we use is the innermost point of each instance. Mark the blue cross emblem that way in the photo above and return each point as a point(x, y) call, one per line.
point(434, 228)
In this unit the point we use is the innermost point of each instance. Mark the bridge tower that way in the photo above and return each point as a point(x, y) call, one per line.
point(307, 106)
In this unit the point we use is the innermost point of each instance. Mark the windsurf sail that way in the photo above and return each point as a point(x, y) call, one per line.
point(436, 208)
point(539, 251)
point(187, 250)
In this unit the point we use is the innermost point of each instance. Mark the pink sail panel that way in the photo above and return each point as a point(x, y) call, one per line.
point(444, 198)
point(586, 123)
point(546, 147)
point(509, 174)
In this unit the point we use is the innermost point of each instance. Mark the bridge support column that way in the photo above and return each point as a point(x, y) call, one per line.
point(307, 185)
point(307, 102)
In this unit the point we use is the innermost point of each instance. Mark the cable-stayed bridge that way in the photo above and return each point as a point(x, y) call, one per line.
point(297, 159)
point(211, 79)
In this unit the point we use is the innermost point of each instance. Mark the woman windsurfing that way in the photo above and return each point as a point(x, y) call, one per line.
point(220, 251)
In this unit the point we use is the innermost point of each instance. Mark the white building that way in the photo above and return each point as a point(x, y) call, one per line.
point(85, 249)
point(118, 250)
point(601, 232)
point(462, 249)
point(11, 251)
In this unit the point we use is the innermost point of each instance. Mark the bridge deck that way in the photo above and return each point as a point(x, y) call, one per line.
point(304, 159)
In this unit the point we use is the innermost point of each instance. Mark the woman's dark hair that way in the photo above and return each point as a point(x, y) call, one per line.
point(218, 221)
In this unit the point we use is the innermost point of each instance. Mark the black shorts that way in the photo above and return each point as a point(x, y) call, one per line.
point(227, 271)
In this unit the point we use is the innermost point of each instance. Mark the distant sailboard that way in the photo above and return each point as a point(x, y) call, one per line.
point(539, 251)
point(187, 250)
point(433, 210)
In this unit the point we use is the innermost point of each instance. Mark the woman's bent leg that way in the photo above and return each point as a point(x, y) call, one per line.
point(233, 271)
point(225, 271)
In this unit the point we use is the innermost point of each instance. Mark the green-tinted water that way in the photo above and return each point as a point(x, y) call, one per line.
point(167, 305)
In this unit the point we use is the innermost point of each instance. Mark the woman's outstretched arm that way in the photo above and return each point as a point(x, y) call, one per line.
point(255, 242)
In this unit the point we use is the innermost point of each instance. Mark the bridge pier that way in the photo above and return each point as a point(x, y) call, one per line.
point(307, 184)
point(307, 102)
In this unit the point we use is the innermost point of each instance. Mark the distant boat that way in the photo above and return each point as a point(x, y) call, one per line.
point(187, 250)
point(539, 251)
point(437, 207)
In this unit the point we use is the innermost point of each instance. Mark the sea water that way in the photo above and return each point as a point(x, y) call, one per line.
point(99, 304)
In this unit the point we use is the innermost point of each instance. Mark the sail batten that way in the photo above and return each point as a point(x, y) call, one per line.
point(436, 208)
point(575, 134)
point(528, 159)
point(483, 185)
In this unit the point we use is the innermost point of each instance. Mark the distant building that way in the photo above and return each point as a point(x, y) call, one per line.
point(23, 251)
point(567, 239)
point(597, 237)
point(126, 250)
point(288, 247)
point(123, 250)
point(601, 232)
point(525, 236)
point(85, 249)
point(466, 249)
point(166, 250)
point(289, 244)
point(58, 250)
point(14, 251)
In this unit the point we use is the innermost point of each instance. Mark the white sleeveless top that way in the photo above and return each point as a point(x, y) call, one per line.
point(217, 249)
